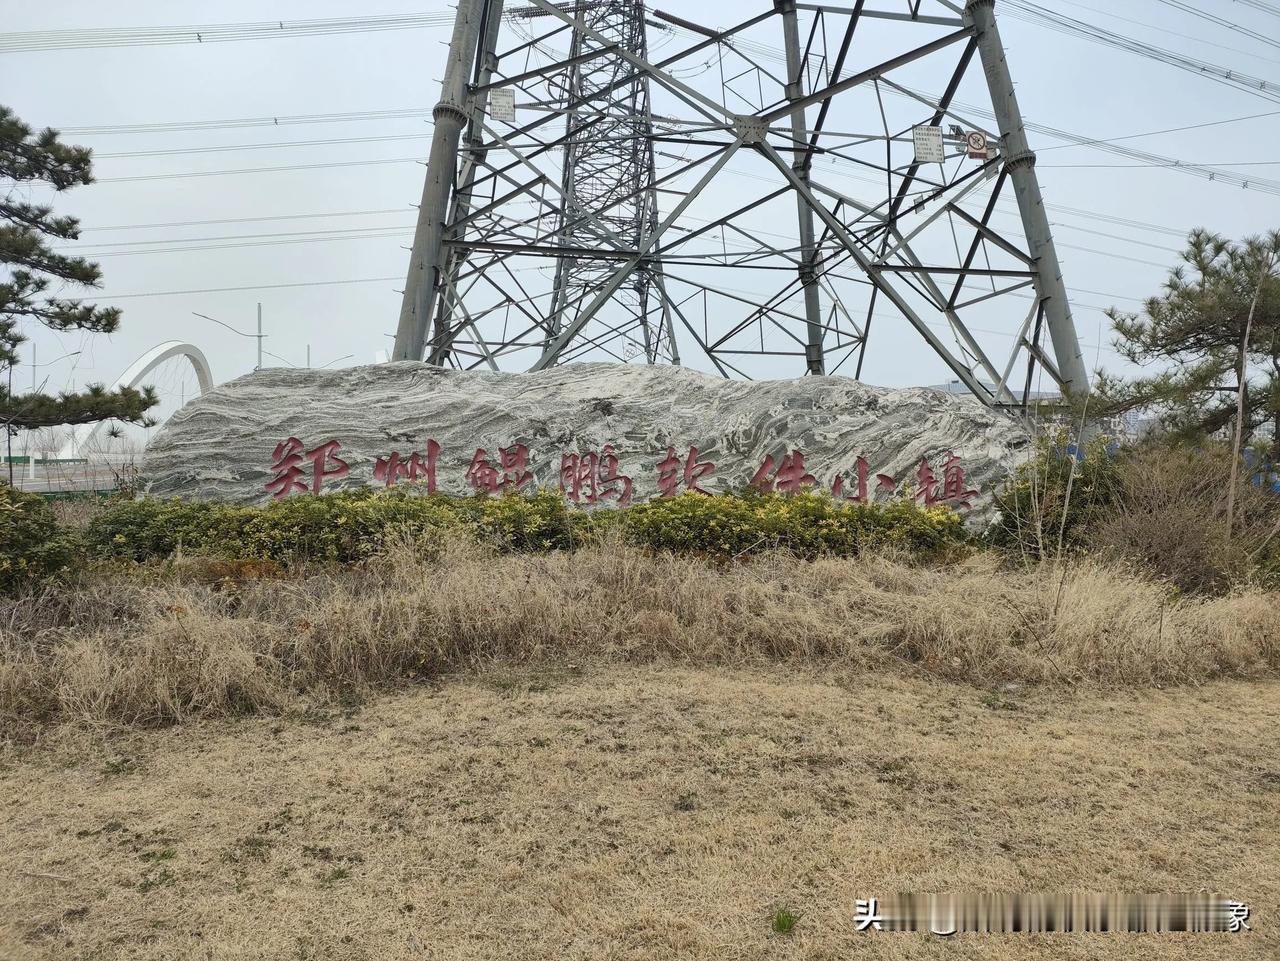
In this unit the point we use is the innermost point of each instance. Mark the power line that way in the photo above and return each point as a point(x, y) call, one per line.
point(370, 233)
point(87, 250)
point(1260, 5)
point(259, 146)
point(1175, 33)
point(248, 220)
point(223, 290)
point(1173, 163)
point(1219, 21)
point(1156, 133)
point(403, 113)
point(1040, 16)
point(257, 170)
point(1204, 171)
point(100, 37)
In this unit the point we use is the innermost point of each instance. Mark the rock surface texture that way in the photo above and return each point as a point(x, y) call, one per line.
point(227, 444)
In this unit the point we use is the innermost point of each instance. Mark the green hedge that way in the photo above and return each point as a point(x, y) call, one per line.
point(808, 524)
point(351, 525)
point(32, 545)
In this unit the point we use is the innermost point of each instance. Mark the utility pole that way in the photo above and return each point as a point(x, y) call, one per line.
point(259, 335)
point(427, 258)
point(1020, 163)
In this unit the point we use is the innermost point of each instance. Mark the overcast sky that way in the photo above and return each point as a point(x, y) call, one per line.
point(1062, 82)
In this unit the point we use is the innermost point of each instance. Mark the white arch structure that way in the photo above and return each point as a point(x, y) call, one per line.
point(83, 434)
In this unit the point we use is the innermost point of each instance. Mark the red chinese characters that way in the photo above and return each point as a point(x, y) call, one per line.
point(883, 482)
point(290, 463)
point(950, 490)
point(790, 476)
point(416, 467)
point(595, 477)
point(512, 472)
point(591, 478)
point(671, 472)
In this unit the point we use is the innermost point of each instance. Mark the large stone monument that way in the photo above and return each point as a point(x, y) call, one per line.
point(602, 433)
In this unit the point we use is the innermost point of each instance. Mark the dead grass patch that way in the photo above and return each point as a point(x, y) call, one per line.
point(166, 644)
point(641, 812)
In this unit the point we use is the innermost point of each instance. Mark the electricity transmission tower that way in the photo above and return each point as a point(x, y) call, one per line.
point(614, 182)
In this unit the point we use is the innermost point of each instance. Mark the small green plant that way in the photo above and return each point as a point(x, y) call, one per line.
point(117, 766)
point(157, 857)
point(995, 701)
point(253, 847)
point(155, 879)
point(784, 921)
point(895, 771)
point(334, 875)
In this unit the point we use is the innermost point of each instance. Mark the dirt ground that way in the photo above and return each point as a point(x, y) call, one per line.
point(619, 812)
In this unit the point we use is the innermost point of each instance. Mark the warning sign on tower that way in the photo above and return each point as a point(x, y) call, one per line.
point(928, 142)
point(502, 105)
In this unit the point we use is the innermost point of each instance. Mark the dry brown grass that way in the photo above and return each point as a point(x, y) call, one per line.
point(635, 812)
point(213, 639)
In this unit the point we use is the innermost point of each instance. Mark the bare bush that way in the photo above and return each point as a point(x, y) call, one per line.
point(1170, 517)
point(75, 513)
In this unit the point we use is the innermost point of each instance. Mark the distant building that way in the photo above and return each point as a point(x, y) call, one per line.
point(1129, 425)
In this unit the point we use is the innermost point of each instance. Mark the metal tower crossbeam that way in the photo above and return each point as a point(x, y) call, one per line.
point(748, 199)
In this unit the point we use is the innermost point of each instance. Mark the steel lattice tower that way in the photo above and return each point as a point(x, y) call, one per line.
point(609, 176)
point(622, 208)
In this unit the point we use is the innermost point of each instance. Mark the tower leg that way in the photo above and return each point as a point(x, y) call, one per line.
point(473, 158)
point(814, 362)
point(1020, 163)
point(427, 258)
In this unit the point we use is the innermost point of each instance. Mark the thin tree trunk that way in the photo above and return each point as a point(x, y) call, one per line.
point(1275, 402)
point(1243, 374)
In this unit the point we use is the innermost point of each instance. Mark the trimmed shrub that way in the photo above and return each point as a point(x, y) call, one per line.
point(31, 544)
point(345, 526)
point(807, 524)
point(352, 525)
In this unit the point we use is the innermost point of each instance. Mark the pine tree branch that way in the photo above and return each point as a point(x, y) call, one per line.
point(39, 217)
point(94, 403)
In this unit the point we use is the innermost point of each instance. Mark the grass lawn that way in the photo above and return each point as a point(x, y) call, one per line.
point(618, 812)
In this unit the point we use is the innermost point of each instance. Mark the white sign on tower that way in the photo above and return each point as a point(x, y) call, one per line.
point(928, 141)
point(502, 104)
